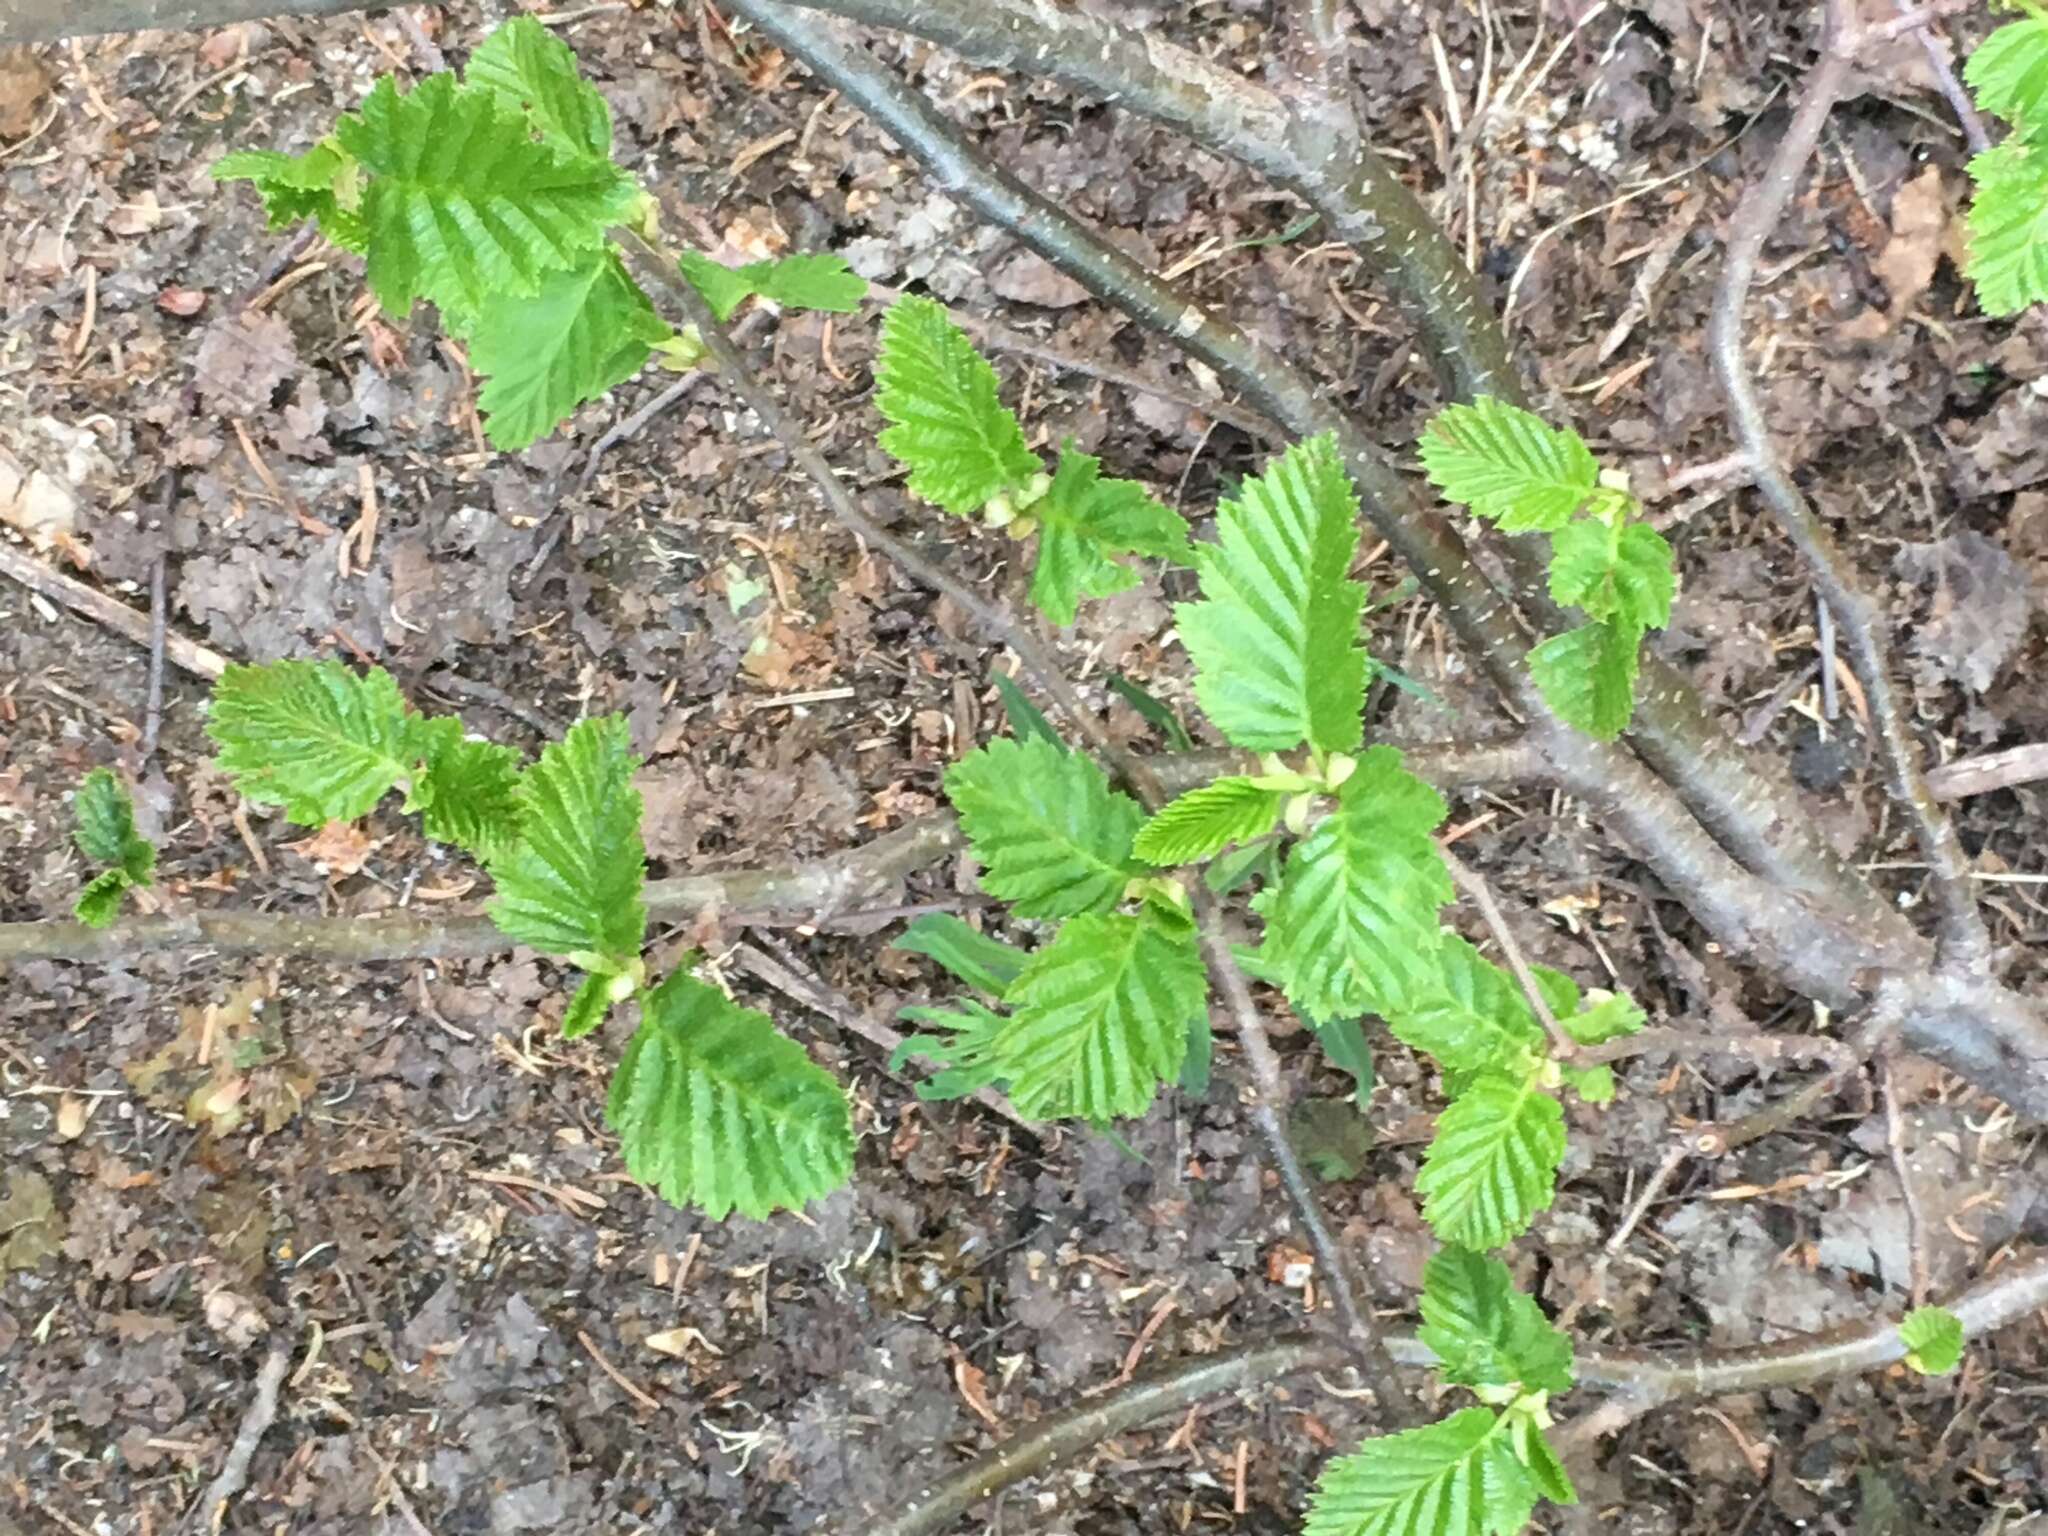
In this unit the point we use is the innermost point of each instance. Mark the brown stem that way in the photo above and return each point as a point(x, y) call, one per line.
point(51, 21)
point(1935, 46)
point(1689, 1043)
point(1473, 884)
point(1965, 944)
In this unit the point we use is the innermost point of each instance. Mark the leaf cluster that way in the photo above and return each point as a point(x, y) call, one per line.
point(491, 196)
point(1519, 472)
point(104, 829)
point(2008, 220)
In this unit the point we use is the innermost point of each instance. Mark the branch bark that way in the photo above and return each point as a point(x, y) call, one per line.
point(51, 21)
point(1857, 614)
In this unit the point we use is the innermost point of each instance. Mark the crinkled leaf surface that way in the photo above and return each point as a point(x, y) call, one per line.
point(1493, 1163)
point(469, 795)
point(1588, 675)
point(320, 740)
point(1052, 837)
point(947, 426)
point(1933, 1337)
point(2008, 74)
point(1472, 1016)
point(533, 69)
point(1509, 465)
point(987, 964)
point(1206, 820)
point(105, 830)
point(1457, 1477)
point(2009, 227)
point(819, 280)
point(1483, 1331)
point(1621, 572)
point(1083, 520)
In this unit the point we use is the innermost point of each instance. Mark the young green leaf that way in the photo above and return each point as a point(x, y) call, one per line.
point(312, 736)
point(1525, 1434)
point(1344, 1042)
point(1153, 710)
point(2008, 224)
point(1588, 675)
point(1352, 927)
point(1083, 519)
point(587, 1007)
point(465, 205)
point(1933, 1337)
point(1205, 821)
point(2008, 73)
point(962, 446)
point(1275, 638)
point(106, 828)
point(716, 1108)
point(1493, 1163)
point(571, 886)
point(1472, 1017)
point(963, 1053)
point(1483, 1331)
point(1052, 837)
point(321, 184)
point(1508, 465)
point(1606, 1016)
point(585, 329)
point(99, 899)
point(469, 794)
point(1100, 1019)
point(1620, 572)
point(1457, 1477)
point(986, 964)
point(807, 280)
point(531, 68)
point(1026, 719)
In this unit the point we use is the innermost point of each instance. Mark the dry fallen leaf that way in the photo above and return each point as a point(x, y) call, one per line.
point(1919, 233)
point(339, 848)
point(183, 302)
point(70, 1117)
point(23, 85)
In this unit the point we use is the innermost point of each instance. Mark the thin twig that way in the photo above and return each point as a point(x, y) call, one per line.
point(1993, 771)
point(1474, 885)
point(159, 612)
point(94, 604)
point(1964, 942)
point(1935, 46)
point(1916, 1226)
point(234, 1472)
point(1660, 1040)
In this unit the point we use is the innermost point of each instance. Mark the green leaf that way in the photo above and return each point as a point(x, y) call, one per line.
point(312, 736)
point(2008, 73)
point(1026, 719)
point(962, 446)
point(533, 69)
point(106, 828)
point(99, 900)
point(2008, 239)
point(1255, 861)
point(469, 794)
point(1483, 1331)
point(1606, 1016)
point(543, 354)
point(1493, 1163)
point(1933, 1337)
point(1153, 711)
point(987, 964)
point(1472, 1017)
point(1623, 573)
point(1082, 521)
point(1052, 837)
point(1352, 927)
point(1594, 1084)
point(1457, 1477)
point(1344, 1042)
point(1100, 1019)
point(963, 1053)
point(1275, 638)
point(586, 1010)
point(465, 205)
point(322, 184)
point(1205, 821)
point(807, 280)
point(571, 886)
point(1588, 675)
point(716, 1108)
point(1525, 1435)
point(1508, 465)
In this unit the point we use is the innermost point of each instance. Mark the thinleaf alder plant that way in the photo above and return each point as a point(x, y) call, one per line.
point(494, 196)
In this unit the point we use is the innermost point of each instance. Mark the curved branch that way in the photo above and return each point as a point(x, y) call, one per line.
point(1857, 614)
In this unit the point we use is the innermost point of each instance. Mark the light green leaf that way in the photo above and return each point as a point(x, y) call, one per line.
point(1275, 638)
point(542, 355)
point(1082, 521)
point(1344, 1042)
point(987, 964)
point(1457, 1477)
point(1483, 1331)
point(571, 886)
point(99, 900)
point(322, 184)
point(1205, 821)
point(1472, 1017)
point(465, 206)
point(807, 280)
point(1493, 1163)
point(1100, 1019)
point(2008, 73)
point(1352, 927)
point(2008, 240)
point(715, 1108)
point(1525, 1434)
point(1606, 1016)
point(106, 828)
point(1933, 1337)
point(964, 1053)
point(532, 68)
point(1509, 465)
point(1052, 837)
point(312, 736)
point(587, 1008)
point(1588, 675)
point(1594, 1084)
point(469, 794)
point(1621, 572)
point(962, 446)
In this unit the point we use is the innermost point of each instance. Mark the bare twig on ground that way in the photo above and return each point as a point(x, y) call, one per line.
point(159, 606)
point(1993, 771)
point(50, 21)
point(234, 1472)
point(1965, 943)
point(104, 610)
point(1916, 1226)
point(1935, 46)
point(1659, 1040)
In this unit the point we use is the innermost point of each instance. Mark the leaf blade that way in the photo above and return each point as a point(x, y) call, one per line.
point(531, 68)
point(1509, 465)
point(1493, 1162)
point(323, 742)
point(1206, 820)
point(947, 425)
point(1053, 838)
point(1457, 1477)
point(1933, 1337)
point(1083, 520)
point(1588, 675)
